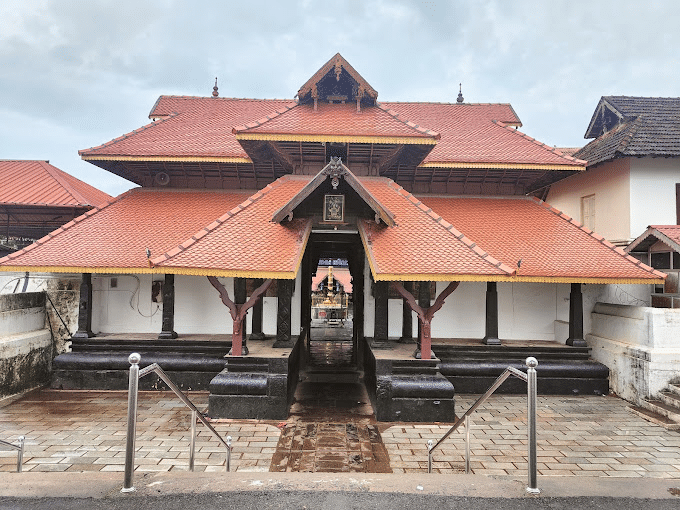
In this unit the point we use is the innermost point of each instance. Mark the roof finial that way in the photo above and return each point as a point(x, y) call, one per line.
point(215, 93)
point(460, 93)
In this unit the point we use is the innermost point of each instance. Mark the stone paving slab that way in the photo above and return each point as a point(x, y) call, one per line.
point(576, 436)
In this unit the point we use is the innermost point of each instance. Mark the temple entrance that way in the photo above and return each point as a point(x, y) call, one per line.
point(331, 385)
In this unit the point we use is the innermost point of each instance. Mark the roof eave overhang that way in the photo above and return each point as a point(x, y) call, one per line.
point(501, 166)
point(300, 137)
point(183, 159)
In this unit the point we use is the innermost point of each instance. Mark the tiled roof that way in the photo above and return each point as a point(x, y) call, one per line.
point(479, 133)
point(549, 244)
point(669, 234)
point(115, 238)
point(39, 183)
point(333, 121)
point(191, 128)
point(633, 126)
point(341, 274)
point(195, 128)
point(244, 240)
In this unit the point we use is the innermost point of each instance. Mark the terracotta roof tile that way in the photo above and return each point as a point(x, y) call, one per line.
point(336, 120)
point(39, 183)
point(117, 235)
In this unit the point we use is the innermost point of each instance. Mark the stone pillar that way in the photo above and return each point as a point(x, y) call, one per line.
point(423, 302)
point(491, 336)
point(283, 315)
point(168, 324)
point(380, 329)
point(407, 318)
point(576, 317)
point(256, 333)
point(85, 308)
point(240, 296)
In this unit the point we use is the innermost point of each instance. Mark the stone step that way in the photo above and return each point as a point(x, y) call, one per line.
point(656, 418)
point(674, 388)
point(659, 407)
point(670, 398)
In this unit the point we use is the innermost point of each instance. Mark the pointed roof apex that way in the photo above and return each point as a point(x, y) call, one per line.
point(337, 80)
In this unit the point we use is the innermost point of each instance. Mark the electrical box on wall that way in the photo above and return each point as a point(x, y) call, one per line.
point(157, 292)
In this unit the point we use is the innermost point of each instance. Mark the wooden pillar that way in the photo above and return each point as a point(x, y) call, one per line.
point(491, 335)
point(407, 318)
point(576, 317)
point(168, 321)
point(256, 332)
point(240, 296)
point(380, 331)
point(423, 302)
point(85, 308)
point(283, 316)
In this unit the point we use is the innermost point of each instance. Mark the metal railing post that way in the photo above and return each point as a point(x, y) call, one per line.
point(467, 444)
point(192, 444)
point(228, 461)
point(20, 454)
point(430, 445)
point(532, 363)
point(133, 386)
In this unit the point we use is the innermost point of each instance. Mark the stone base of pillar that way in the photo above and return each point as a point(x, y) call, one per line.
point(491, 341)
point(244, 351)
point(577, 342)
point(419, 355)
point(84, 334)
point(257, 336)
point(167, 335)
point(406, 340)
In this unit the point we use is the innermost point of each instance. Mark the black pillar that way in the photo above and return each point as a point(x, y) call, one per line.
point(491, 335)
point(407, 318)
point(240, 296)
point(283, 315)
point(380, 294)
point(168, 324)
point(576, 317)
point(256, 332)
point(85, 308)
point(423, 302)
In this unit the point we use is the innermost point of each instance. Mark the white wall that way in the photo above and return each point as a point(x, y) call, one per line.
point(652, 192)
point(610, 183)
point(464, 312)
point(528, 311)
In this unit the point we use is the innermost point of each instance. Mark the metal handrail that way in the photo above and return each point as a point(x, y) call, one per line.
point(133, 390)
point(530, 379)
point(20, 451)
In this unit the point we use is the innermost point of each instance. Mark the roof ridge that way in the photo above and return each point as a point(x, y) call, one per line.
point(410, 124)
point(165, 118)
point(453, 230)
point(160, 259)
point(554, 150)
point(263, 120)
point(64, 184)
point(630, 133)
point(597, 237)
point(447, 103)
point(220, 98)
point(64, 227)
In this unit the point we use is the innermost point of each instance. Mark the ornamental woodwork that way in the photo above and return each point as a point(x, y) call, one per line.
point(407, 318)
point(240, 295)
point(380, 331)
point(85, 308)
point(283, 315)
point(576, 317)
point(256, 333)
point(168, 322)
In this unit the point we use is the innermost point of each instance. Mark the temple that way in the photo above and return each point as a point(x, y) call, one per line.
point(455, 271)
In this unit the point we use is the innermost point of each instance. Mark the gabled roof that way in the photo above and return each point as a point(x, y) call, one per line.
point(668, 234)
point(341, 274)
point(336, 123)
point(335, 170)
point(189, 129)
point(337, 64)
point(633, 126)
point(37, 183)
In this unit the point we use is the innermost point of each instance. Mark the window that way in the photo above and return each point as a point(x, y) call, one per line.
point(588, 211)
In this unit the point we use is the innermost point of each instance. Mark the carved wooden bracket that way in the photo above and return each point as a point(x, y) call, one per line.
point(425, 314)
point(238, 312)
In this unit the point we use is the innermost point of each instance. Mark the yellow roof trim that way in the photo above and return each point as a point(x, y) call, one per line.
point(276, 137)
point(424, 277)
point(202, 159)
point(515, 166)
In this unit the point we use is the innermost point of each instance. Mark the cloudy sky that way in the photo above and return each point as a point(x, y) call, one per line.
point(77, 73)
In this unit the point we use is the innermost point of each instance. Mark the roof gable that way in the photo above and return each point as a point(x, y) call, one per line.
point(668, 234)
point(337, 81)
point(334, 170)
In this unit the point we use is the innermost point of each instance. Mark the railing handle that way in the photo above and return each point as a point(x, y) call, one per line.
point(532, 363)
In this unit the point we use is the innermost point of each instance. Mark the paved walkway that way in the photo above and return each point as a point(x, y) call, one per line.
point(588, 436)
